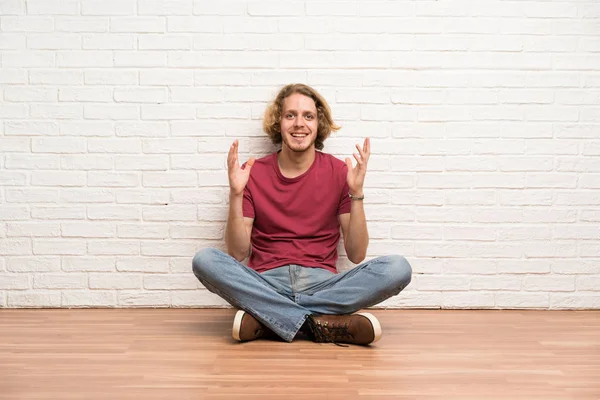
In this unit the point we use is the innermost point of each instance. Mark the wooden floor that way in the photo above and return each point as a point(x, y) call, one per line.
point(147, 354)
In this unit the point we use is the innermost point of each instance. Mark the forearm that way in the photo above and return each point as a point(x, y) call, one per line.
point(358, 235)
point(237, 238)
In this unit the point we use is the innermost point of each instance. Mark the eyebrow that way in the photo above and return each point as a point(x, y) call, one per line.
point(294, 110)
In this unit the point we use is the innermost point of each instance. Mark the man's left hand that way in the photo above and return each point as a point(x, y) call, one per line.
point(356, 175)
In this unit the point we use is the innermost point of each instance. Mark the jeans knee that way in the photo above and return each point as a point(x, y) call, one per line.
point(400, 271)
point(203, 261)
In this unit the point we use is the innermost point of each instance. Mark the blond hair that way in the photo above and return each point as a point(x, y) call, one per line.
point(272, 120)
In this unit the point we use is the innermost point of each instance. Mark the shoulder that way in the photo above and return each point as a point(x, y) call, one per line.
point(331, 161)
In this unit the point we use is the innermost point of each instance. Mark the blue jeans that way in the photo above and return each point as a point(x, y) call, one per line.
point(282, 298)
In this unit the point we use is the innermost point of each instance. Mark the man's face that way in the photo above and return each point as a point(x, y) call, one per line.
point(299, 122)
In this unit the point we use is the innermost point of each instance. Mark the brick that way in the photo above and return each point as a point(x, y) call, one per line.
point(87, 195)
point(114, 145)
point(32, 162)
point(10, 178)
point(32, 229)
point(168, 112)
point(88, 230)
point(30, 94)
point(54, 77)
point(33, 264)
point(55, 178)
point(81, 24)
point(169, 146)
point(142, 196)
point(142, 163)
point(142, 129)
point(26, 24)
point(113, 212)
point(111, 111)
point(194, 24)
point(12, 7)
point(572, 301)
point(143, 264)
point(14, 76)
point(14, 281)
point(60, 281)
point(56, 111)
point(141, 95)
point(416, 232)
point(96, 298)
point(169, 213)
point(169, 179)
point(144, 298)
point(108, 7)
point(197, 128)
point(140, 59)
point(118, 281)
point(59, 247)
point(113, 247)
point(201, 231)
point(87, 162)
point(113, 179)
point(65, 41)
point(15, 247)
point(138, 24)
point(31, 195)
point(88, 264)
point(99, 95)
point(201, 7)
point(469, 267)
point(170, 282)
point(35, 299)
point(143, 231)
point(522, 300)
point(84, 59)
point(110, 41)
point(199, 196)
point(13, 111)
point(111, 77)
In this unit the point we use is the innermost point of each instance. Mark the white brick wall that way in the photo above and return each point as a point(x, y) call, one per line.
point(116, 116)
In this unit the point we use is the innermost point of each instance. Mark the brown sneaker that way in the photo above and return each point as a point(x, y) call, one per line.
point(360, 328)
point(246, 327)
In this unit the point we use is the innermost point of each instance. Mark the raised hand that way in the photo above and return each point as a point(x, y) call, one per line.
point(238, 177)
point(356, 175)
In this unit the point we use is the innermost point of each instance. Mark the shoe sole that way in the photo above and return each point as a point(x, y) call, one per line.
point(237, 325)
point(375, 323)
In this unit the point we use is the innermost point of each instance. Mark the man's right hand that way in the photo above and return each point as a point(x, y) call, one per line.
point(238, 177)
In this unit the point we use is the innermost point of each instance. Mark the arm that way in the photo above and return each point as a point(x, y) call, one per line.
point(356, 234)
point(354, 225)
point(237, 232)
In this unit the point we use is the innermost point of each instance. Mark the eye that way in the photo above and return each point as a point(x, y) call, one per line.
point(310, 116)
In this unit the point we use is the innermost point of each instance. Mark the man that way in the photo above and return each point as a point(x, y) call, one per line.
point(286, 210)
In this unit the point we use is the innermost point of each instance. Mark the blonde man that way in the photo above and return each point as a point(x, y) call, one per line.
point(285, 212)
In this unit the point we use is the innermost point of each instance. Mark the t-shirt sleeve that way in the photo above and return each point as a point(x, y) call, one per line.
point(248, 204)
point(344, 207)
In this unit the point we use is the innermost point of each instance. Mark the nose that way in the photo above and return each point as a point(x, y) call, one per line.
point(298, 121)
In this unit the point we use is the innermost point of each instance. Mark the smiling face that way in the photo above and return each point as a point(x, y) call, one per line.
point(299, 123)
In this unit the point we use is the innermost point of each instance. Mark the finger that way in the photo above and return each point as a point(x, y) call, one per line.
point(360, 151)
point(358, 159)
point(368, 145)
point(231, 156)
point(349, 163)
point(249, 164)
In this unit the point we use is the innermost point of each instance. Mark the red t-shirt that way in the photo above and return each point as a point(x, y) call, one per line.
point(296, 219)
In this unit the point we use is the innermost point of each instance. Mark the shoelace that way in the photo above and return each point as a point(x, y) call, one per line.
point(329, 333)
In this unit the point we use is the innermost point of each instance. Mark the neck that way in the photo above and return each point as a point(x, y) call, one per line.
point(293, 163)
